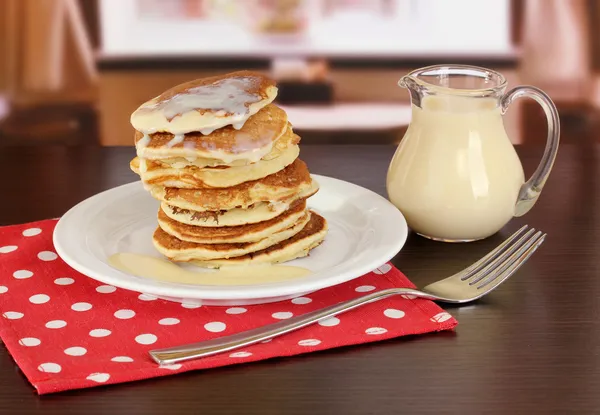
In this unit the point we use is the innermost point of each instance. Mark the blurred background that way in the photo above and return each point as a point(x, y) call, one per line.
point(72, 71)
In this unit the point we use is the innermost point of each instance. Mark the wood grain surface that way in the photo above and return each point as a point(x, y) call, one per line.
point(532, 346)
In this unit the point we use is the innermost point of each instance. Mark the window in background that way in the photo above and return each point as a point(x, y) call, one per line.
point(274, 28)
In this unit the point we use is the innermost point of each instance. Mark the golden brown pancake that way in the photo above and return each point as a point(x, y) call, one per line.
point(184, 251)
point(154, 172)
point(252, 142)
point(297, 246)
point(292, 180)
point(258, 212)
point(206, 104)
point(282, 144)
point(232, 234)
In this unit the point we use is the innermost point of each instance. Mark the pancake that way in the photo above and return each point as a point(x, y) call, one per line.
point(297, 246)
point(206, 104)
point(191, 177)
point(232, 234)
point(183, 251)
point(282, 185)
point(282, 144)
point(251, 142)
point(259, 212)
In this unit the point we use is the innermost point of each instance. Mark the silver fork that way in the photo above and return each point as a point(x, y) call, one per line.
point(470, 284)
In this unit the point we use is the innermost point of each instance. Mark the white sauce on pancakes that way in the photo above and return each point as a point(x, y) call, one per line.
point(143, 166)
point(226, 99)
point(228, 96)
point(143, 143)
point(278, 205)
point(238, 125)
point(176, 140)
point(162, 270)
point(219, 157)
point(207, 131)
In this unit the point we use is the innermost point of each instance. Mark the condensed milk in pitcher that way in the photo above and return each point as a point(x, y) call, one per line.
point(456, 176)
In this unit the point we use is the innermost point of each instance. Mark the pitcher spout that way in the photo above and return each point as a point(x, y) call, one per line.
point(404, 81)
point(411, 83)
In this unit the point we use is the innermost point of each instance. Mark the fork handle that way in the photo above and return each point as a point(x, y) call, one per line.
point(236, 341)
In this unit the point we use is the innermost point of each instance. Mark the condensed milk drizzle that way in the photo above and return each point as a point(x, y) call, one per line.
point(143, 143)
point(227, 97)
point(163, 270)
point(143, 166)
point(178, 138)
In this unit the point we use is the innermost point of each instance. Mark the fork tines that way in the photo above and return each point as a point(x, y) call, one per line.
point(503, 261)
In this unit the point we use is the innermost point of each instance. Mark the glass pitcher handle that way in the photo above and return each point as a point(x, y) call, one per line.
point(531, 190)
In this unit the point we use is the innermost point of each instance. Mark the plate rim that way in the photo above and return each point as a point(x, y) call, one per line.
point(224, 292)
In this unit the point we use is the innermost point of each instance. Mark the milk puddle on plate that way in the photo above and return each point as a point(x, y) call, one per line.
point(162, 270)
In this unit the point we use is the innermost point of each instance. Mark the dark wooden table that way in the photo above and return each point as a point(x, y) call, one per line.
point(532, 346)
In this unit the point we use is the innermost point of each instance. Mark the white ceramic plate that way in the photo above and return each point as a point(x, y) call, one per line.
point(365, 231)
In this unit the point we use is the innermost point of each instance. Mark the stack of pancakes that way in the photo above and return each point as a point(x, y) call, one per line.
point(223, 161)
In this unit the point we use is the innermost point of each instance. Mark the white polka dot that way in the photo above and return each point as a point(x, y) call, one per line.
point(3, 289)
point(98, 377)
point(168, 321)
point(147, 297)
point(441, 317)
point(393, 313)
point(32, 232)
point(174, 366)
point(75, 351)
point(56, 324)
point(39, 299)
point(81, 307)
point(191, 306)
point(47, 256)
point(384, 269)
point(146, 338)
point(106, 289)
point(364, 288)
point(309, 342)
point(64, 281)
point(22, 274)
point(30, 341)
point(282, 315)
point(408, 296)
point(124, 314)
point(49, 368)
point(236, 310)
point(8, 248)
point(215, 326)
point(376, 330)
point(329, 322)
point(12, 315)
point(302, 300)
point(240, 354)
point(122, 359)
point(100, 333)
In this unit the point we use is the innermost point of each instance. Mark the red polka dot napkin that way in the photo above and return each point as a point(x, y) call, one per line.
point(67, 331)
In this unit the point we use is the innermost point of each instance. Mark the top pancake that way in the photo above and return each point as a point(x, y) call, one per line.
point(252, 142)
point(206, 104)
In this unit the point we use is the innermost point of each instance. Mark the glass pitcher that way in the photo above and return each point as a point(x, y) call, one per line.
point(456, 176)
